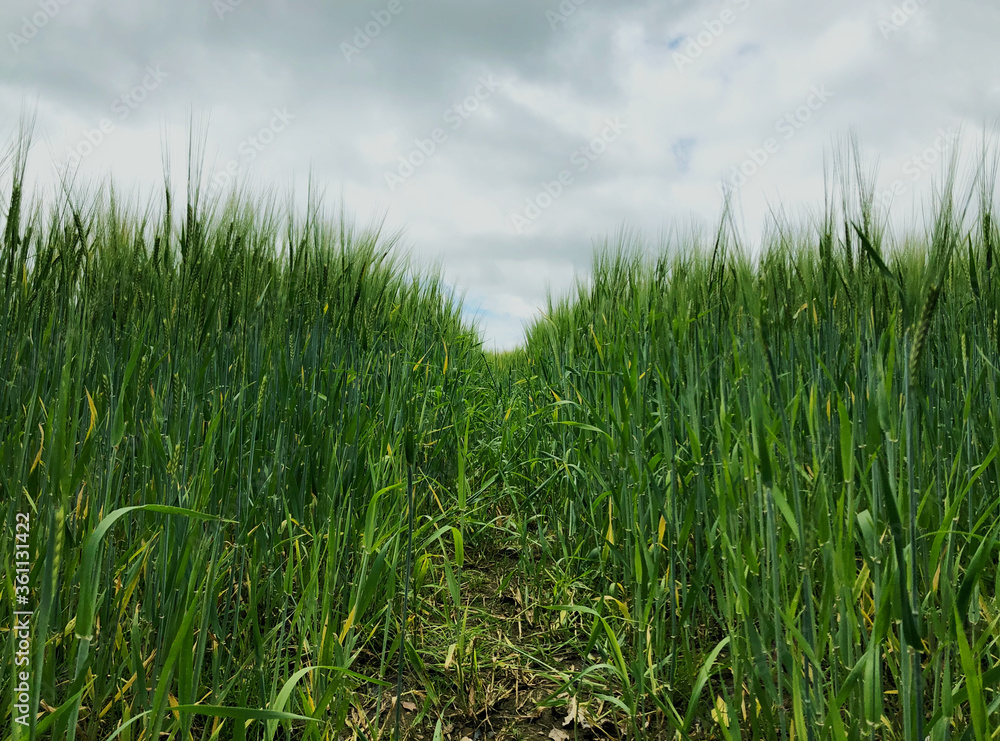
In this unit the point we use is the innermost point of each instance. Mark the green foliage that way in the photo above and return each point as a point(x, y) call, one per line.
point(728, 448)
point(253, 380)
point(756, 494)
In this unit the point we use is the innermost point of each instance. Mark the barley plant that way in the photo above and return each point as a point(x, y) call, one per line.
point(734, 494)
point(773, 481)
point(207, 417)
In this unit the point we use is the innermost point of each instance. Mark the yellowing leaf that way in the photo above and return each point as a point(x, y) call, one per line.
point(720, 713)
point(348, 624)
point(610, 537)
point(622, 607)
point(41, 445)
point(93, 416)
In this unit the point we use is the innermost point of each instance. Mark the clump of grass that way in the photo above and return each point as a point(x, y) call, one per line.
point(728, 448)
point(238, 383)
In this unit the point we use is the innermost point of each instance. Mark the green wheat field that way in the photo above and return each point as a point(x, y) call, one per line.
point(259, 478)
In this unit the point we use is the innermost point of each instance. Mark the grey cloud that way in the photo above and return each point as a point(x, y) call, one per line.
point(354, 119)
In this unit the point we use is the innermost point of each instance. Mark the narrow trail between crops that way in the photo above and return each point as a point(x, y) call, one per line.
point(518, 665)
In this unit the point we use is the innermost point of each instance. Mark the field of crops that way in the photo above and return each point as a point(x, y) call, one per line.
point(273, 480)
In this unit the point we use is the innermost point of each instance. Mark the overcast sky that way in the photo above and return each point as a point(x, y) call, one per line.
point(507, 137)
